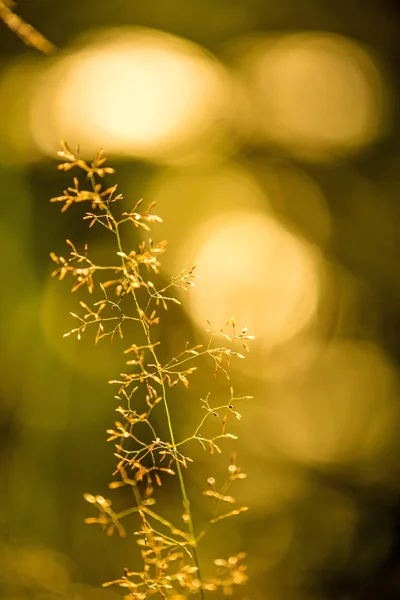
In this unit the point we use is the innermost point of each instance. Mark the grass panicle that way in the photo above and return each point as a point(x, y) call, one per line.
point(123, 294)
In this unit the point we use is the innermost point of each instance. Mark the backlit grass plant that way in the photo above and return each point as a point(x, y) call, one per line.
point(130, 293)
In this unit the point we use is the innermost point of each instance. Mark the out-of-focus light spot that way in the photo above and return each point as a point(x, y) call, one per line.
point(273, 488)
point(331, 520)
point(139, 92)
point(343, 410)
point(296, 197)
point(16, 85)
point(346, 304)
point(187, 198)
point(316, 94)
point(265, 275)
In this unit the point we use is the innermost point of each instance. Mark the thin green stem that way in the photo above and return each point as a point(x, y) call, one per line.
point(145, 327)
point(205, 417)
point(127, 512)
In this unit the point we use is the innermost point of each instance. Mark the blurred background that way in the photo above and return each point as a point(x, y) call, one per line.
point(268, 134)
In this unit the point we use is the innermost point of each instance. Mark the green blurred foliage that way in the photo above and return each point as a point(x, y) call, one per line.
point(318, 528)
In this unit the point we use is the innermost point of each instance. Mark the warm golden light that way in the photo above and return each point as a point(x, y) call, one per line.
point(80, 355)
point(341, 410)
point(137, 91)
point(36, 568)
point(188, 197)
point(16, 84)
point(296, 197)
point(267, 276)
point(331, 519)
point(316, 94)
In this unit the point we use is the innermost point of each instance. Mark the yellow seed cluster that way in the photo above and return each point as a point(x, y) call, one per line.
point(124, 296)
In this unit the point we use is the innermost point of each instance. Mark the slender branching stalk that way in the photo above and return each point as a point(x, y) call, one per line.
point(126, 297)
point(28, 34)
